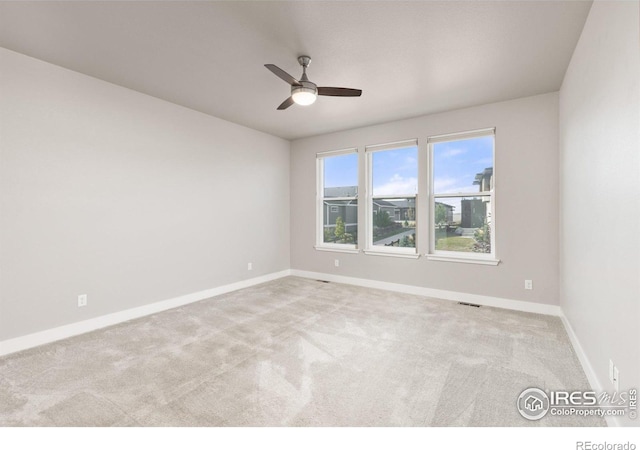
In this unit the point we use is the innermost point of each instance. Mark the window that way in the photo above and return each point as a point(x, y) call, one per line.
point(458, 217)
point(392, 186)
point(337, 203)
point(462, 196)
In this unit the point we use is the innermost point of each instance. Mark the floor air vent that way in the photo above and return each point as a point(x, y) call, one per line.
point(469, 304)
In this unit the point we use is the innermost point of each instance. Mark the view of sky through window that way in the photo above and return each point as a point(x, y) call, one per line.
point(395, 172)
point(341, 171)
point(456, 163)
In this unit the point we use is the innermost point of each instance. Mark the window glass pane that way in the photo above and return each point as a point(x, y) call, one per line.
point(340, 221)
point(395, 172)
point(464, 166)
point(394, 222)
point(463, 224)
point(341, 175)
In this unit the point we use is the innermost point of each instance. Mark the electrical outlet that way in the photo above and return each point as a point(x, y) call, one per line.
point(528, 284)
point(616, 378)
point(337, 262)
point(250, 266)
point(82, 300)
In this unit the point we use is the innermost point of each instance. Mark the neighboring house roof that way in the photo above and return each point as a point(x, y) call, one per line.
point(385, 203)
point(352, 191)
point(404, 203)
point(451, 207)
point(341, 191)
point(486, 173)
point(395, 203)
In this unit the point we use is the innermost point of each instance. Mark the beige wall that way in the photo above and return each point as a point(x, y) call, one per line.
point(129, 199)
point(526, 203)
point(600, 191)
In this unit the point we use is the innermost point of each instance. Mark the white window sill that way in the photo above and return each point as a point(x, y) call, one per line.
point(462, 259)
point(337, 249)
point(393, 254)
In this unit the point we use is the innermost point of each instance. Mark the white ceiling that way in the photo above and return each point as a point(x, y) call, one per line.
point(409, 58)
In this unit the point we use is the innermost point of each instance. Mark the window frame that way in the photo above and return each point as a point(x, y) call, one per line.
point(370, 249)
point(453, 256)
point(320, 198)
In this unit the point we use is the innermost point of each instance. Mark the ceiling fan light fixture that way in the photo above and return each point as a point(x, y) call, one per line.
point(305, 92)
point(304, 95)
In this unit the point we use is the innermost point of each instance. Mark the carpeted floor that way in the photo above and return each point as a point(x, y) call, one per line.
point(297, 352)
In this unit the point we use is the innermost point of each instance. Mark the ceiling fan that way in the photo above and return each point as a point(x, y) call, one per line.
point(304, 92)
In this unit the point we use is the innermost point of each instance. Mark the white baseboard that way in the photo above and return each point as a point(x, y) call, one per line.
point(55, 334)
point(587, 367)
point(497, 302)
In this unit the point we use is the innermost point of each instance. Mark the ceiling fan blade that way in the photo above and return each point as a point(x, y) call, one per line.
point(285, 104)
point(282, 74)
point(339, 92)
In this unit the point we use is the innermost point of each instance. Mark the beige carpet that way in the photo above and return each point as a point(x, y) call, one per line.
point(297, 352)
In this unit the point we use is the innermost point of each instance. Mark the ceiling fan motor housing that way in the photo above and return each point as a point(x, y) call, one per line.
point(305, 86)
point(304, 60)
point(305, 92)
